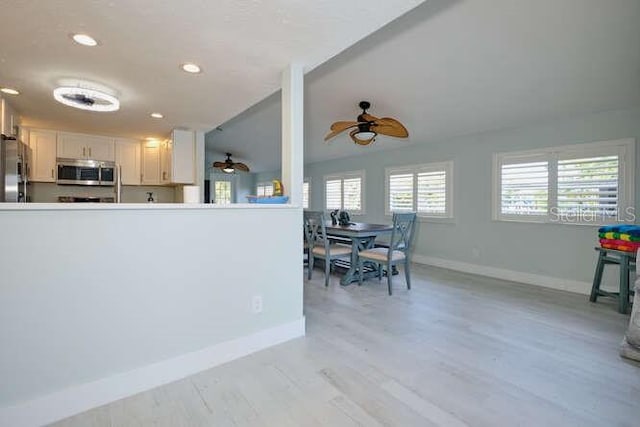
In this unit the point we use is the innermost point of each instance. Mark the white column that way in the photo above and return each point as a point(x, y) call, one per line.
point(293, 132)
point(200, 163)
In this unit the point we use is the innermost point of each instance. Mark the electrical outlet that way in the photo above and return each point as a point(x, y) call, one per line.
point(256, 304)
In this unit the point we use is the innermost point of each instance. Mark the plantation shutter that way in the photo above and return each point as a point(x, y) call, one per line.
point(588, 186)
point(333, 193)
point(305, 195)
point(352, 193)
point(524, 188)
point(432, 192)
point(401, 192)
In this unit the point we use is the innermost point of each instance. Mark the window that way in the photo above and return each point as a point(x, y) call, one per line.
point(582, 184)
point(345, 192)
point(305, 194)
point(264, 189)
point(222, 191)
point(425, 189)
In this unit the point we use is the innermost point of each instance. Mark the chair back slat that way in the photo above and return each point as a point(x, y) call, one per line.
point(315, 230)
point(402, 234)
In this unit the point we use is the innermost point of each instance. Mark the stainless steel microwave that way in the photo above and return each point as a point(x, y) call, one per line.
point(86, 172)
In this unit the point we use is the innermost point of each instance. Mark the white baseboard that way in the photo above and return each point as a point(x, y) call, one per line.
point(80, 398)
point(575, 286)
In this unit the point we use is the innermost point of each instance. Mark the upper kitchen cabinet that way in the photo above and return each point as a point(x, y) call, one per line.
point(171, 161)
point(8, 119)
point(78, 146)
point(128, 158)
point(150, 163)
point(43, 155)
point(183, 157)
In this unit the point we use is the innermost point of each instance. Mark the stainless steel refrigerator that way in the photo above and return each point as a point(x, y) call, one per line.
point(14, 166)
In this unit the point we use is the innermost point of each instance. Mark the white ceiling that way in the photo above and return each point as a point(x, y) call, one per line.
point(242, 46)
point(458, 67)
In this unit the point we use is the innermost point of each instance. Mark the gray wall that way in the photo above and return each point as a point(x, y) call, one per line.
point(88, 294)
point(560, 251)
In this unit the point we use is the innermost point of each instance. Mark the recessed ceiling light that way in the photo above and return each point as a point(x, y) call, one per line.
point(157, 115)
point(86, 99)
point(9, 91)
point(84, 40)
point(191, 68)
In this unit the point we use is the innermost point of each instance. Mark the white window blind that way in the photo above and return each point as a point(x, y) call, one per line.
point(352, 189)
point(305, 195)
point(525, 188)
point(432, 192)
point(264, 189)
point(588, 185)
point(345, 192)
point(584, 184)
point(401, 192)
point(425, 189)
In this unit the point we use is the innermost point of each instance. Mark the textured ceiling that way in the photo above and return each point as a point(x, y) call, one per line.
point(242, 45)
point(458, 67)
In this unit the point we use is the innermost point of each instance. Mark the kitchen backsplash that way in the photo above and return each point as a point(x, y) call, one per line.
point(42, 192)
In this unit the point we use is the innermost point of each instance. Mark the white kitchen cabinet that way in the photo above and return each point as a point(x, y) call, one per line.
point(128, 158)
point(183, 157)
point(166, 161)
point(150, 165)
point(43, 155)
point(8, 118)
point(79, 146)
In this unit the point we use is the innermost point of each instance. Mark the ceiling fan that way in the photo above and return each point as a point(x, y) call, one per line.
point(229, 166)
point(367, 127)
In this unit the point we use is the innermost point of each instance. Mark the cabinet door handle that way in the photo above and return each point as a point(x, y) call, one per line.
point(89, 151)
point(52, 171)
point(84, 152)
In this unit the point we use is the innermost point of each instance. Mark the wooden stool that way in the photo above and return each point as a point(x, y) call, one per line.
point(624, 260)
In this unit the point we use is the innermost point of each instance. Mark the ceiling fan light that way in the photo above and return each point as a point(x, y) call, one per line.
point(364, 138)
point(228, 169)
point(101, 102)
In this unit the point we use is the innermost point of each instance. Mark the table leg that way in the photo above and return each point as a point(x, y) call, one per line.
point(597, 277)
point(356, 244)
point(350, 275)
point(623, 297)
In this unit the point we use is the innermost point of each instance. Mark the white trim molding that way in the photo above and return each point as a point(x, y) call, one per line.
point(568, 285)
point(80, 398)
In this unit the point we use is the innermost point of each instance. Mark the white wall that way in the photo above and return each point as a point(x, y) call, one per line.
point(557, 255)
point(88, 294)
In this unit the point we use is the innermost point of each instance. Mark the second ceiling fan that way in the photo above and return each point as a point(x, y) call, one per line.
point(367, 127)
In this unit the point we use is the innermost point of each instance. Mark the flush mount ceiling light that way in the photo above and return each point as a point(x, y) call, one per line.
point(86, 99)
point(84, 40)
point(190, 67)
point(156, 115)
point(9, 91)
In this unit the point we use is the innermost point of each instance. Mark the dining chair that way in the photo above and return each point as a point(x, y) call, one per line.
point(319, 245)
point(398, 251)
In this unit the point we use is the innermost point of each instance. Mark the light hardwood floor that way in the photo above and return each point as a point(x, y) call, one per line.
point(456, 350)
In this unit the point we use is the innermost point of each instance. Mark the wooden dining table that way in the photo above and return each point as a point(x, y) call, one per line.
point(362, 236)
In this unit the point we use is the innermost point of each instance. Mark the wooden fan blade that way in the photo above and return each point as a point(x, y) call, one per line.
point(339, 127)
point(390, 127)
point(241, 167)
point(353, 133)
point(368, 117)
point(219, 164)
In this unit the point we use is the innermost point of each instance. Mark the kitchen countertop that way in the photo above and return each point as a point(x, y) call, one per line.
point(135, 206)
